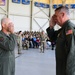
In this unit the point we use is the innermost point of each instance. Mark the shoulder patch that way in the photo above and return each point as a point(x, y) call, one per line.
point(1, 39)
point(69, 32)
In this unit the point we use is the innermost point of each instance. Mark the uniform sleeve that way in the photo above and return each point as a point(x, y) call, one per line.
point(7, 43)
point(68, 42)
point(52, 34)
point(70, 52)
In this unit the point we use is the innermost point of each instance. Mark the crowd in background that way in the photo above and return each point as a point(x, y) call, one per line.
point(30, 39)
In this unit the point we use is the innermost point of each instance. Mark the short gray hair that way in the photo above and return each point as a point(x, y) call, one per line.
point(63, 8)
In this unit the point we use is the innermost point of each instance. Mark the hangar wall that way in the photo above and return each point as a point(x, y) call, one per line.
point(22, 15)
point(30, 17)
point(40, 18)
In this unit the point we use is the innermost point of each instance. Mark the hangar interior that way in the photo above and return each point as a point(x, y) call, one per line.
point(33, 15)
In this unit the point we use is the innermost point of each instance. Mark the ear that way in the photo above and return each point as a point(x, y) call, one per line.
point(63, 14)
point(3, 25)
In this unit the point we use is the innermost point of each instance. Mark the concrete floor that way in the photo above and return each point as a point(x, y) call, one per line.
point(32, 62)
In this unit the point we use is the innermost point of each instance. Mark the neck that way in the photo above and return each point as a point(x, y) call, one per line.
point(64, 20)
point(7, 33)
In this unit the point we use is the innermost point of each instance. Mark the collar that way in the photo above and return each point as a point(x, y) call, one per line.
point(66, 23)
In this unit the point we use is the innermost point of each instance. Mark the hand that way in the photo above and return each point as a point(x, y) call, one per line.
point(52, 22)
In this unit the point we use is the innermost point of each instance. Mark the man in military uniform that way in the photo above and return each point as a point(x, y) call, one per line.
point(65, 46)
point(43, 41)
point(7, 45)
point(19, 42)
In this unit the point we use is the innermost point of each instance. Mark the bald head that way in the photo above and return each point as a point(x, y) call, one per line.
point(4, 20)
point(7, 25)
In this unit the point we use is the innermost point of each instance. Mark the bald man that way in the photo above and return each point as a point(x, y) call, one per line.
point(7, 45)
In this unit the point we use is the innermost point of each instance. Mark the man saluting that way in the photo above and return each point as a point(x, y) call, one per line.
point(7, 45)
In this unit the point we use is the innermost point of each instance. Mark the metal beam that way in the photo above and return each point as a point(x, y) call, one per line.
point(42, 17)
point(44, 25)
point(7, 8)
point(38, 24)
point(43, 11)
point(2, 9)
point(19, 15)
point(51, 13)
point(3, 13)
point(40, 11)
point(31, 13)
point(41, 27)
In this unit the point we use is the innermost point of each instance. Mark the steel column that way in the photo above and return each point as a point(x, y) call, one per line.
point(31, 14)
point(7, 8)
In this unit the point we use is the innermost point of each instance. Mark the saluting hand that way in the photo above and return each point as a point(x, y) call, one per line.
point(52, 21)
